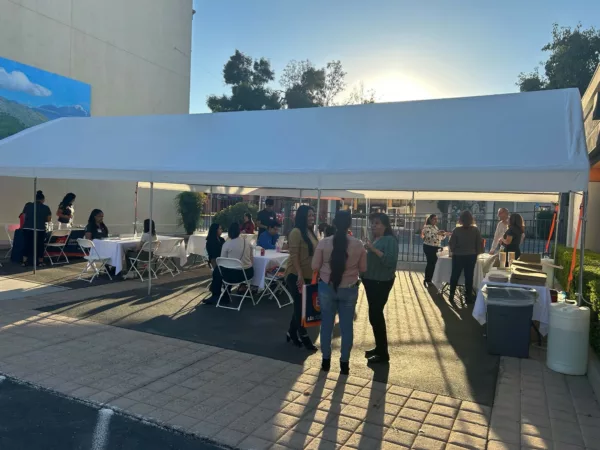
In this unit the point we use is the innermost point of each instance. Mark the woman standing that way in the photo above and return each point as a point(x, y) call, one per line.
point(66, 211)
point(339, 259)
point(95, 228)
point(43, 215)
point(432, 238)
point(378, 279)
point(248, 226)
point(302, 242)
point(214, 245)
point(511, 241)
point(465, 244)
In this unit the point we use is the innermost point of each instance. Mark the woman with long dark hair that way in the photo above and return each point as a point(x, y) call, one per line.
point(465, 244)
point(432, 239)
point(30, 227)
point(511, 241)
point(66, 211)
point(302, 242)
point(95, 228)
point(382, 259)
point(214, 245)
point(339, 259)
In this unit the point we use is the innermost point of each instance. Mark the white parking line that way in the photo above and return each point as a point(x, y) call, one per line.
point(100, 438)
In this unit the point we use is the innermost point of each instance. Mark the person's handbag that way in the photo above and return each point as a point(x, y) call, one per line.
point(311, 308)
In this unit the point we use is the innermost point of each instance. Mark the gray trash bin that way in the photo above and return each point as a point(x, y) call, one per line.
point(509, 313)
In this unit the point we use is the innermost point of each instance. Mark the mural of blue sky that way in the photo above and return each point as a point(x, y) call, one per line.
point(30, 96)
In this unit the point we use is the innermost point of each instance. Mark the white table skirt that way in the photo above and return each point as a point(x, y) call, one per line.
point(196, 244)
point(541, 308)
point(262, 263)
point(115, 249)
point(443, 271)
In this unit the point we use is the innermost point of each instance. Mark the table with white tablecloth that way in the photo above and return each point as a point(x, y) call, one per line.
point(196, 244)
point(541, 308)
point(115, 249)
point(262, 263)
point(443, 271)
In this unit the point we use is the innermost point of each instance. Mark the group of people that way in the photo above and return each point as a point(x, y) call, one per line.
point(466, 244)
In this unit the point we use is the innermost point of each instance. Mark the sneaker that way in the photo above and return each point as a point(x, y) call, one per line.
point(129, 276)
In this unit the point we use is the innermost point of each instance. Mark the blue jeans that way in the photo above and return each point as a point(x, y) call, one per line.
point(343, 302)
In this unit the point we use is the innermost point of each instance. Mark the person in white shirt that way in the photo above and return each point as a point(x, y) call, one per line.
point(501, 228)
point(237, 248)
point(148, 236)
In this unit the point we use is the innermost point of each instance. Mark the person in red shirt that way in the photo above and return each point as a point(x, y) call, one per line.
point(247, 227)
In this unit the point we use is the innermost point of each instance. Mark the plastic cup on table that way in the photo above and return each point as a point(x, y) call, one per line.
point(502, 257)
point(511, 258)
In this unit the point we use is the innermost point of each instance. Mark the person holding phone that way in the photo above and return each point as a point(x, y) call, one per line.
point(432, 239)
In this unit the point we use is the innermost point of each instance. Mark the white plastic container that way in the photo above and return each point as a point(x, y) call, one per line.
point(568, 338)
point(549, 271)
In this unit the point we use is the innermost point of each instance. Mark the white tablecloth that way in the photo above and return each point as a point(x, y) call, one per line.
point(196, 244)
point(541, 309)
point(115, 249)
point(262, 263)
point(443, 271)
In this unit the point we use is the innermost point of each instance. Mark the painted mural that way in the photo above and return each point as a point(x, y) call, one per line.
point(30, 96)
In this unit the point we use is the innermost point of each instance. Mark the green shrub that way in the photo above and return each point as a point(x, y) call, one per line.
point(234, 213)
point(189, 206)
point(591, 285)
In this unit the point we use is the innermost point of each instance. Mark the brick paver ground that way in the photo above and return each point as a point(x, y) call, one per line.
point(253, 402)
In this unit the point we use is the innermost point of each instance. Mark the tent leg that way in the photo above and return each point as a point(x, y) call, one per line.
point(135, 205)
point(35, 234)
point(582, 248)
point(411, 231)
point(318, 207)
point(150, 247)
point(556, 229)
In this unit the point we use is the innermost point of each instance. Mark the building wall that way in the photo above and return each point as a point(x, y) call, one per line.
point(136, 56)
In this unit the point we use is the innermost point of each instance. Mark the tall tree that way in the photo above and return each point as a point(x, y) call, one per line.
point(249, 81)
point(305, 86)
point(574, 56)
point(358, 95)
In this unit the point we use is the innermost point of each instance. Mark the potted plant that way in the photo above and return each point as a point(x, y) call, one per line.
point(190, 206)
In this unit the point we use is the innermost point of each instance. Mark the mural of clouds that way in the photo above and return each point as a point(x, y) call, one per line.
point(18, 81)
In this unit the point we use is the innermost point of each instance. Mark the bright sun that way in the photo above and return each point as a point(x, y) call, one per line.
point(396, 88)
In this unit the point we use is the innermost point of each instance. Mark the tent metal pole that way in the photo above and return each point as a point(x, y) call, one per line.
point(210, 202)
point(582, 248)
point(135, 209)
point(318, 207)
point(411, 231)
point(150, 247)
point(35, 234)
point(301, 202)
point(556, 230)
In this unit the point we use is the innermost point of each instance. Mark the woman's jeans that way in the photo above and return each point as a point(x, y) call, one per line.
point(431, 255)
point(296, 329)
point(378, 293)
point(460, 263)
point(343, 302)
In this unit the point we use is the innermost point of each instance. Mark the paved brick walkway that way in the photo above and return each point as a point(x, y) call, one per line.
point(254, 402)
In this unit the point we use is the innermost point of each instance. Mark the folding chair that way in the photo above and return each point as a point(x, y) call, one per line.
point(94, 260)
point(166, 252)
point(10, 232)
point(275, 283)
point(58, 239)
point(228, 286)
point(146, 266)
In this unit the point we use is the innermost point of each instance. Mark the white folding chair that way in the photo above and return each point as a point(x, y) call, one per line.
point(94, 260)
point(168, 250)
point(139, 266)
point(228, 286)
point(58, 240)
point(275, 283)
point(10, 232)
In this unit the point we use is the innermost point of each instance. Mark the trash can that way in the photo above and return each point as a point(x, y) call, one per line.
point(509, 313)
point(568, 338)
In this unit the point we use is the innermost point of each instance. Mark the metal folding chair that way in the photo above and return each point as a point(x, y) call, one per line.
point(228, 286)
point(94, 260)
point(168, 250)
point(10, 232)
point(58, 240)
point(144, 265)
point(275, 283)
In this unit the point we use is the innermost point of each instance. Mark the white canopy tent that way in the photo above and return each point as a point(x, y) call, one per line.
point(514, 143)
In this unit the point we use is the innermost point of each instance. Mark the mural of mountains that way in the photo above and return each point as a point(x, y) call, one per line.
point(54, 112)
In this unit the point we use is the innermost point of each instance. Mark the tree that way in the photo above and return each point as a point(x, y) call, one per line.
point(358, 95)
point(574, 56)
point(189, 206)
point(249, 81)
point(234, 213)
point(305, 86)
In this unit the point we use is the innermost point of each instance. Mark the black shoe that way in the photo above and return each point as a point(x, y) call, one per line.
point(293, 339)
point(426, 283)
point(325, 365)
point(344, 368)
point(370, 353)
point(378, 359)
point(308, 343)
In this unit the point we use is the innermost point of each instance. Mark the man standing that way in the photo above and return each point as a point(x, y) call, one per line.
point(266, 216)
point(501, 228)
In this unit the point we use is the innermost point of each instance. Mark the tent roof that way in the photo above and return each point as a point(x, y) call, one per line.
point(531, 142)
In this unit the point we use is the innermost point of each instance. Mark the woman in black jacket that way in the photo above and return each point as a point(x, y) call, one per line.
point(214, 243)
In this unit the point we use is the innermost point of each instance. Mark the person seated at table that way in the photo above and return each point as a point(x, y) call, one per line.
point(465, 244)
point(237, 248)
point(432, 239)
point(66, 211)
point(268, 240)
point(43, 215)
point(329, 231)
point(214, 246)
point(247, 227)
point(95, 228)
point(147, 236)
point(511, 241)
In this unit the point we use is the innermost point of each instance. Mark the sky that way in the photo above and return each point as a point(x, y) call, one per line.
point(402, 49)
point(34, 87)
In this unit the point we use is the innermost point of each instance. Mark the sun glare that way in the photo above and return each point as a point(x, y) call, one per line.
point(397, 88)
